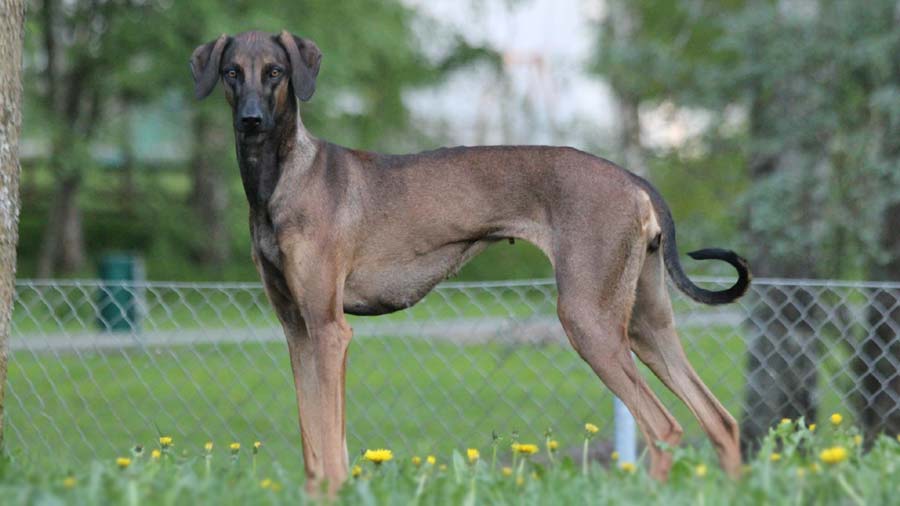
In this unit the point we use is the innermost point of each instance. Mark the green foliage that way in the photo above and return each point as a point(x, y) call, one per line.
point(823, 467)
point(803, 98)
point(131, 60)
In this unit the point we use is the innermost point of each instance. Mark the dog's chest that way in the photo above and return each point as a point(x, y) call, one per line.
point(262, 233)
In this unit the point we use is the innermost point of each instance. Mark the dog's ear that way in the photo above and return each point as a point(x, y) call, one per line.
point(205, 65)
point(305, 58)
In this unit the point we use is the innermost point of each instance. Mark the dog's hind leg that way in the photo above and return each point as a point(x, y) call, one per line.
point(656, 343)
point(597, 278)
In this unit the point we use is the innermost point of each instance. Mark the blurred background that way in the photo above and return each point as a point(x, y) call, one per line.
point(772, 127)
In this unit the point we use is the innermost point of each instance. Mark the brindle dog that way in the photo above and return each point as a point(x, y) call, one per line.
point(338, 231)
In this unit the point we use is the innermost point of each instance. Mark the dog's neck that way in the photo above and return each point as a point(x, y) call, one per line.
point(262, 158)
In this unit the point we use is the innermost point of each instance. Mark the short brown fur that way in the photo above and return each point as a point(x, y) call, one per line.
point(338, 231)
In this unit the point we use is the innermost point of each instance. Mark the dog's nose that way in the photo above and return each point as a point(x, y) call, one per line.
point(251, 121)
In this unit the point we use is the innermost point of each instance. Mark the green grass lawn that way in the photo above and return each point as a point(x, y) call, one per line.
point(72, 306)
point(796, 466)
point(424, 396)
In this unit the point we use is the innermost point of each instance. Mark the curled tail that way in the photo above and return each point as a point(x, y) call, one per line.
point(673, 265)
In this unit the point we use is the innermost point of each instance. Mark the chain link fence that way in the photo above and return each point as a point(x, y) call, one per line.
point(98, 367)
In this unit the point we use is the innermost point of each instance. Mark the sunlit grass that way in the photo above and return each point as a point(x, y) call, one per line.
point(825, 466)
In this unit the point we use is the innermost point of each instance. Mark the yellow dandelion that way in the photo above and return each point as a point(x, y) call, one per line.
point(833, 455)
point(69, 482)
point(506, 471)
point(700, 471)
point(208, 446)
point(525, 448)
point(785, 421)
point(614, 456)
point(165, 441)
point(553, 445)
point(430, 459)
point(591, 428)
point(857, 440)
point(266, 483)
point(812, 427)
point(378, 456)
point(155, 454)
point(123, 462)
point(628, 467)
point(234, 447)
point(356, 471)
point(417, 461)
point(473, 455)
point(836, 419)
point(775, 457)
point(256, 446)
point(520, 481)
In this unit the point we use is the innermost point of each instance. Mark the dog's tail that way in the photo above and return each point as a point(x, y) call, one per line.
point(673, 265)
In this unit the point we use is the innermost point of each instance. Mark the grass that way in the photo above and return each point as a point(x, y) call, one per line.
point(73, 308)
point(428, 396)
point(826, 466)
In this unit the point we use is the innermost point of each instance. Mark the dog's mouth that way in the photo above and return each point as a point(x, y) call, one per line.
point(250, 132)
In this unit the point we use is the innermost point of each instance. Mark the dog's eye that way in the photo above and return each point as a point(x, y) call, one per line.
point(275, 73)
point(231, 73)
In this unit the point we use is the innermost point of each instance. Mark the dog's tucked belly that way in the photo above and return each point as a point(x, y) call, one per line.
point(380, 286)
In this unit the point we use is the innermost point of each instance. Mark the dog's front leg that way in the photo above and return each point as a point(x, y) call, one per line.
point(319, 359)
point(319, 362)
point(302, 353)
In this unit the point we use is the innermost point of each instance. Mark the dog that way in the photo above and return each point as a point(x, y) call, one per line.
point(340, 231)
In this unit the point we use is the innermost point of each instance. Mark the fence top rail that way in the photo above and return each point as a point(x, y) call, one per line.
point(248, 285)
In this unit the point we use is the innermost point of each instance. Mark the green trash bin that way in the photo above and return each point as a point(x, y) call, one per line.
point(118, 299)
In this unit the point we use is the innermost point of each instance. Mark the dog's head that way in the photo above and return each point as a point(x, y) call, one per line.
point(261, 74)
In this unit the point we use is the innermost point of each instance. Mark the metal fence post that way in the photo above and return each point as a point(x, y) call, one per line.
point(625, 440)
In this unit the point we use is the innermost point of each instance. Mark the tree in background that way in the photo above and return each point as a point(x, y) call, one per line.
point(821, 83)
point(814, 86)
point(76, 62)
point(102, 68)
point(12, 21)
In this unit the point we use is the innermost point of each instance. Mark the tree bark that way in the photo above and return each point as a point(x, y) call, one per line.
point(782, 379)
point(63, 243)
point(62, 246)
point(877, 361)
point(630, 135)
point(12, 19)
point(623, 23)
point(209, 194)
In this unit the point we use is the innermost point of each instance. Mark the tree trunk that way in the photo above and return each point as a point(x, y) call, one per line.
point(209, 195)
point(781, 362)
point(63, 243)
point(623, 23)
point(877, 361)
point(630, 147)
point(782, 352)
point(12, 19)
point(62, 246)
